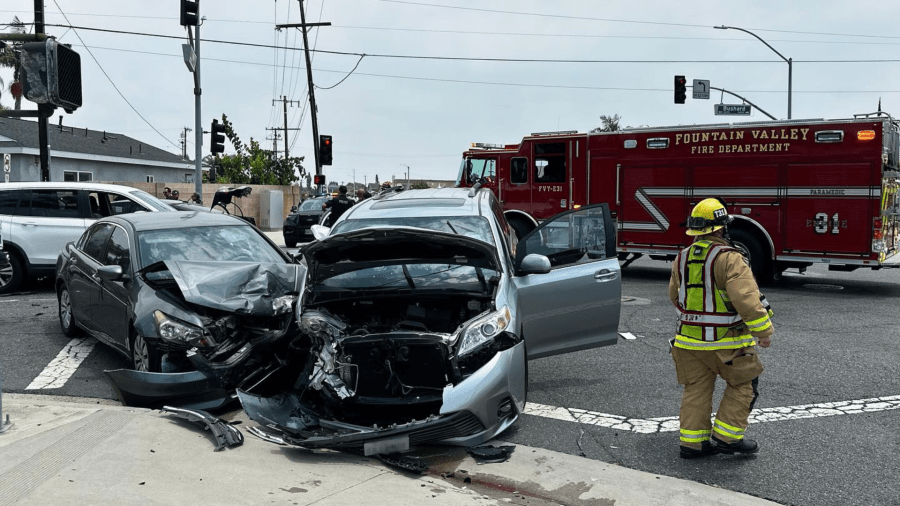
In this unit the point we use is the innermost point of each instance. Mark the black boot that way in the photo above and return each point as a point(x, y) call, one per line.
point(745, 445)
point(706, 449)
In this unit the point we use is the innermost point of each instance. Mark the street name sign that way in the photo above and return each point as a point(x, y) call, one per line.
point(701, 88)
point(733, 109)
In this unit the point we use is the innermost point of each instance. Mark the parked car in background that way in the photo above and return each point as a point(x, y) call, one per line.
point(147, 285)
point(38, 219)
point(297, 225)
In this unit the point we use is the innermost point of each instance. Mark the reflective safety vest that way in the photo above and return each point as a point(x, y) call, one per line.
point(705, 313)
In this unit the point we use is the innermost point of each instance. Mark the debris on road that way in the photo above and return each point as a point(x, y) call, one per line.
point(489, 454)
point(226, 435)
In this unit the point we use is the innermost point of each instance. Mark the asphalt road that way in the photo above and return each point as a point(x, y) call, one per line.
point(836, 340)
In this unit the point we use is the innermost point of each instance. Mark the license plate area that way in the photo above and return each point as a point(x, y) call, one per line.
point(387, 445)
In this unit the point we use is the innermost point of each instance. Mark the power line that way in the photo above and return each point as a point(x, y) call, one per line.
point(595, 36)
point(492, 83)
point(555, 35)
point(110, 79)
point(612, 20)
point(473, 59)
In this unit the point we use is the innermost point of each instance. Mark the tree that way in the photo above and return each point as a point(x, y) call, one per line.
point(9, 58)
point(418, 186)
point(609, 123)
point(251, 164)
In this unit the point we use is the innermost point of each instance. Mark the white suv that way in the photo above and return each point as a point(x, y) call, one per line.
point(38, 219)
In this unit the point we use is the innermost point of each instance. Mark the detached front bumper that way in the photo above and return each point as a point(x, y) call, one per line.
point(473, 411)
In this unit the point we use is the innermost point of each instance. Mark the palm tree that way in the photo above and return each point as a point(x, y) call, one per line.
point(610, 123)
point(9, 58)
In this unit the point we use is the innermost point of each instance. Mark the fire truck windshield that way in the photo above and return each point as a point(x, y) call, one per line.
point(473, 169)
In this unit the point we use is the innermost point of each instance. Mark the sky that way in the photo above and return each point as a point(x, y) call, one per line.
point(468, 82)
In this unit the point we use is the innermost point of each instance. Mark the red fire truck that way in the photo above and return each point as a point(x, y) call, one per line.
point(801, 191)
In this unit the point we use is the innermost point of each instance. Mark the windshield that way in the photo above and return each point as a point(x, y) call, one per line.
point(311, 205)
point(150, 200)
point(229, 243)
point(475, 227)
point(415, 276)
point(461, 179)
point(473, 169)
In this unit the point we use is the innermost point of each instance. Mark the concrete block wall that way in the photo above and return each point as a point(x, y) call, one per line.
point(250, 204)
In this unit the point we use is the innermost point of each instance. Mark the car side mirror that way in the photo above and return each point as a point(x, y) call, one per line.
point(293, 209)
point(535, 264)
point(320, 232)
point(110, 272)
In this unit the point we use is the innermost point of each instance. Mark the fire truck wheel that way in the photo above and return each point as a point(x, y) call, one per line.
point(755, 253)
point(520, 228)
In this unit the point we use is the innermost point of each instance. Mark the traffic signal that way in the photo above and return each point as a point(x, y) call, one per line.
point(217, 137)
point(51, 74)
point(190, 12)
point(325, 149)
point(680, 89)
point(319, 179)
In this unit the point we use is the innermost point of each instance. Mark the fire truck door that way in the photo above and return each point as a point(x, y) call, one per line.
point(830, 208)
point(652, 204)
point(550, 174)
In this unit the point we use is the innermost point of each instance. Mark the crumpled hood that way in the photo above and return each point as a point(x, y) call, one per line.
point(338, 253)
point(238, 287)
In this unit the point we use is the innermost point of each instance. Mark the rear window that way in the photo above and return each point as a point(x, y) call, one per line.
point(311, 205)
point(475, 227)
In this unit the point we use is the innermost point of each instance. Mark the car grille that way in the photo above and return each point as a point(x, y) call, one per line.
point(459, 424)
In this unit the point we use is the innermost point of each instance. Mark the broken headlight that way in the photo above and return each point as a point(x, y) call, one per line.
point(282, 305)
point(482, 331)
point(177, 331)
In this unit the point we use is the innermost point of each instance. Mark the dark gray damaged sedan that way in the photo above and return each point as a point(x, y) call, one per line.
point(181, 292)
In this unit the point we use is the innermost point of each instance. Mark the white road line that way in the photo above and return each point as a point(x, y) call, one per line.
point(670, 423)
point(61, 368)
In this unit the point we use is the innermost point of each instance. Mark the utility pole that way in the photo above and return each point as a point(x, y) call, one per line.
point(285, 101)
point(44, 110)
point(184, 143)
point(303, 26)
point(276, 136)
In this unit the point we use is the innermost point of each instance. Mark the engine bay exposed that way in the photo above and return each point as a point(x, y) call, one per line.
point(388, 358)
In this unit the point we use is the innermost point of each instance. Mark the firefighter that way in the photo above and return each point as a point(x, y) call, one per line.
point(721, 318)
point(339, 204)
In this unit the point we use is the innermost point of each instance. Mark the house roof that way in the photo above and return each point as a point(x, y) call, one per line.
point(24, 133)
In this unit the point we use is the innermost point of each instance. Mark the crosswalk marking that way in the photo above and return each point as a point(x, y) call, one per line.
point(670, 423)
point(61, 368)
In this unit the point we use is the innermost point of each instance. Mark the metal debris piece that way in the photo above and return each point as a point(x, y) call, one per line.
point(226, 435)
point(266, 435)
point(401, 462)
point(489, 454)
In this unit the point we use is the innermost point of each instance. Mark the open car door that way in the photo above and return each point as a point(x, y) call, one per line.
point(576, 305)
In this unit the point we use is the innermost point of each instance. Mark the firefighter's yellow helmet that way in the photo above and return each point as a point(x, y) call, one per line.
point(707, 217)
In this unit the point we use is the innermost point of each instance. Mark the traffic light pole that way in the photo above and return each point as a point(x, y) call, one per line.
point(198, 128)
point(44, 109)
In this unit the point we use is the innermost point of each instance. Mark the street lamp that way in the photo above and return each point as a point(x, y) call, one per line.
point(407, 175)
point(788, 60)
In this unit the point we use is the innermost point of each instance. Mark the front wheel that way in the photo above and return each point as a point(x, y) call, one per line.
point(750, 247)
point(520, 228)
point(144, 356)
point(290, 242)
point(66, 316)
point(11, 275)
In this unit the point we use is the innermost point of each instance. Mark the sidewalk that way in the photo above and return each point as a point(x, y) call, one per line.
point(88, 451)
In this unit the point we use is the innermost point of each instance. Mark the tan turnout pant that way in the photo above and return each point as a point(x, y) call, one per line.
point(697, 371)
